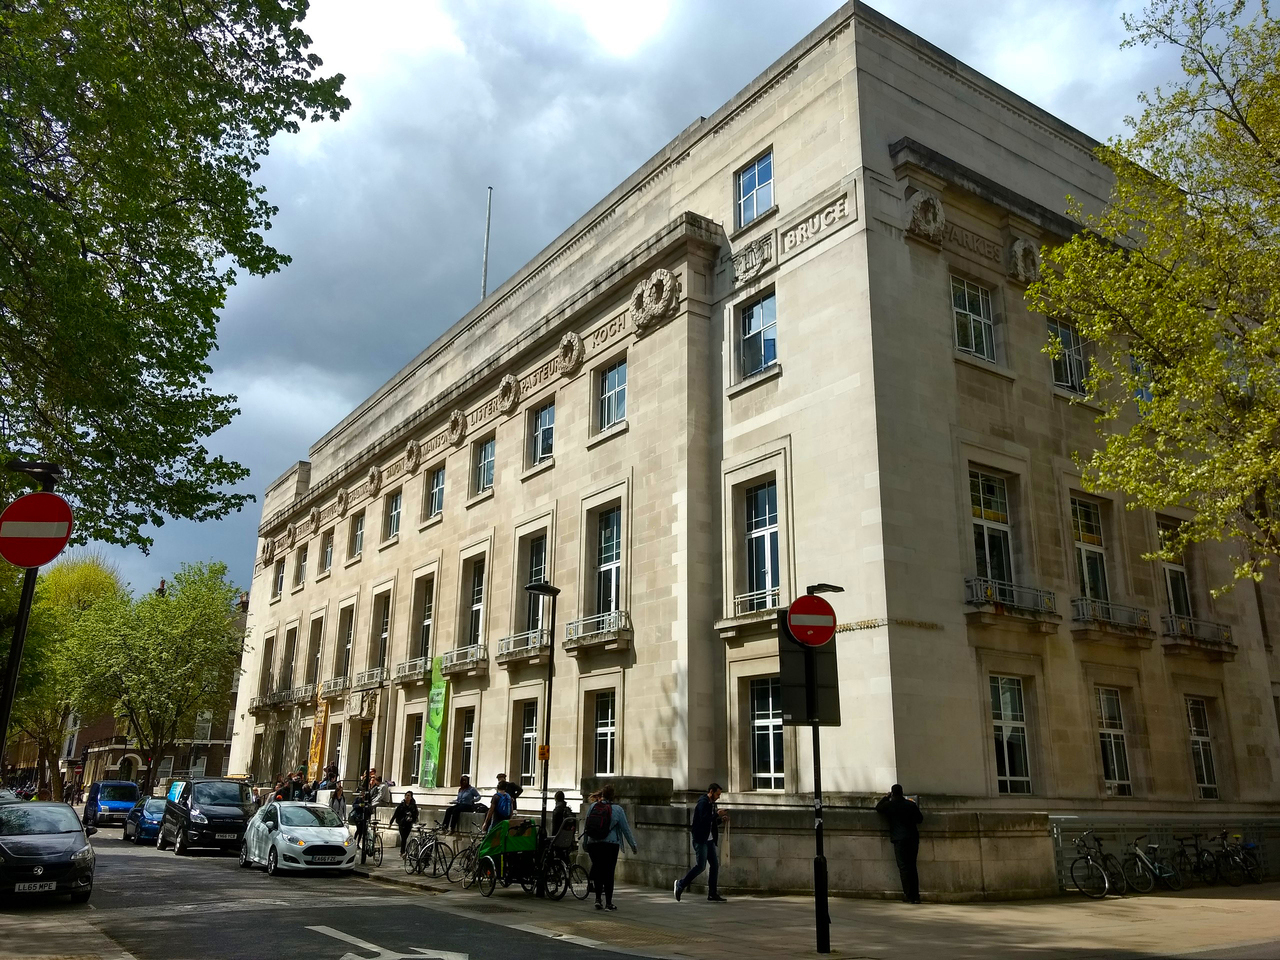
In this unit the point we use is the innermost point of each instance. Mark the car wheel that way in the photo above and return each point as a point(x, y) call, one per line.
point(161, 843)
point(180, 843)
point(81, 896)
point(124, 831)
point(244, 856)
point(273, 864)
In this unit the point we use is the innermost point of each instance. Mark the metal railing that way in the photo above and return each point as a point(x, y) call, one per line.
point(1086, 609)
point(257, 703)
point(463, 658)
point(280, 696)
point(768, 599)
point(531, 643)
point(600, 626)
point(334, 686)
point(303, 693)
point(983, 590)
point(1193, 629)
point(369, 678)
point(412, 670)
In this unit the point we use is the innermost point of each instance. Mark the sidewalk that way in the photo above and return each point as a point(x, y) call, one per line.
point(649, 922)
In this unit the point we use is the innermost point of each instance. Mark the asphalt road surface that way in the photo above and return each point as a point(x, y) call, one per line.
point(158, 906)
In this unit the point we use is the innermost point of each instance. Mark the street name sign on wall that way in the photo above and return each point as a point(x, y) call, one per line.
point(34, 529)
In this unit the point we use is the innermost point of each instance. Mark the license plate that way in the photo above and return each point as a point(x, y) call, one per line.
point(226, 836)
point(44, 887)
point(326, 859)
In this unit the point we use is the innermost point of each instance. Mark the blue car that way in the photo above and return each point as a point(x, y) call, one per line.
point(143, 822)
point(109, 801)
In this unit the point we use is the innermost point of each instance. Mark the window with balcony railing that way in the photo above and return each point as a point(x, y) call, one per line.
point(761, 555)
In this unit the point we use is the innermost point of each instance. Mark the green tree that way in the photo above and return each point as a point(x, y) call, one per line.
point(1175, 285)
point(129, 136)
point(159, 661)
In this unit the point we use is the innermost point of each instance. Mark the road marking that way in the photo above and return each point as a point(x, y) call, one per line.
point(381, 953)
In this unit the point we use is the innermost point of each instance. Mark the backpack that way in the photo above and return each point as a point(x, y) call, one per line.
point(502, 805)
point(599, 821)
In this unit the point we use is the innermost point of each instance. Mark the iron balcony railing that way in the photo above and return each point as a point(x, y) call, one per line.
point(257, 703)
point(465, 658)
point(768, 599)
point(525, 645)
point(1193, 629)
point(334, 686)
point(280, 696)
point(1088, 610)
point(303, 693)
point(980, 591)
point(369, 678)
point(412, 670)
point(602, 625)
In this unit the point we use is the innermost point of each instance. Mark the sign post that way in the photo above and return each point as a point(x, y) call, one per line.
point(33, 530)
point(805, 631)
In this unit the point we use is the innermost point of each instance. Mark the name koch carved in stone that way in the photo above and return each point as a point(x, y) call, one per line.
point(608, 332)
point(811, 227)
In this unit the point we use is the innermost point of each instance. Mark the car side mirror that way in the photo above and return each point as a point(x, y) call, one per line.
point(90, 831)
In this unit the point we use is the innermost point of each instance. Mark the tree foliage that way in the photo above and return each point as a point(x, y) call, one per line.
point(130, 132)
point(1175, 283)
point(158, 661)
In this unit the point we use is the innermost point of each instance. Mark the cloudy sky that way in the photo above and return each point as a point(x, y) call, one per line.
point(553, 103)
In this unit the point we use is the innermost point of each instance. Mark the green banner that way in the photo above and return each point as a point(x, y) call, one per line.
point(433, 728)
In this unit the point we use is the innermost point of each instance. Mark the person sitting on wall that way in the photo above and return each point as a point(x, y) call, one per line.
point(467, 801)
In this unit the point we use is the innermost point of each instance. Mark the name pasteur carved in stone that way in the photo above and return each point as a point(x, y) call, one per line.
point(752, 258)
point(925, 217)
point(809, 228)
point(654, 300)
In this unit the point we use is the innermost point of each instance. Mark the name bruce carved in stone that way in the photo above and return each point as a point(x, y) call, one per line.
point(808, 229)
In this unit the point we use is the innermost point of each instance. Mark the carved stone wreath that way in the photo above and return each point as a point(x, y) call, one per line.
point(412, 455)
point(268, 549)
point(457, 427)
point(508, 393)
point(654, 299)
point(290, 536)
point(925, 216)
point(752, 258)
point(374, 480)
point(570, 354)
point(1024, 261)
point(341, 502)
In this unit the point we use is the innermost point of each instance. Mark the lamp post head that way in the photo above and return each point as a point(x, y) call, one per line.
point(823, 588)
point(46, 474)
point(542, 589)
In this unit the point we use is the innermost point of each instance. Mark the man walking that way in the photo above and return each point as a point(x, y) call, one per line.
point(705, 834)
point(903, 815)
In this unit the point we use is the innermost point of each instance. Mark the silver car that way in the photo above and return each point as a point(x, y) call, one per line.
point(292, 835)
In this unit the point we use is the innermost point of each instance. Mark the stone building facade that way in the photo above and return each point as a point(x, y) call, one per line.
point(792, 347)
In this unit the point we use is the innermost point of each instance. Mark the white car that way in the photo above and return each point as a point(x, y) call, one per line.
point(290, 835)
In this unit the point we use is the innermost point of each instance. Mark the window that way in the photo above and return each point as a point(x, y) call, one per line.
point(762, 547)
point(381, 628)
point(355, 545)
point(1175, 572)
point(1091, 563)
point(759, 335)
point(413, 749)
point(1115, 758)
point(290, 653)
point(435, 493)
point(1202, 749)
point(613, 395)
point(1142, 383)
point(766, 734)
point(204, 726)
point(537, 574)
point(606, 734)
point(326, 551)
point(277, 581)
point(166, 768)
point(268, 660)
point(1013, 768)
point(754, 189)
point(475, 619)
point(468, 742)
point(300, 567)
point(314, 646)
point(347, 633)
point(391, 515)
point(424, 589)
point(992, 533)
point(543, 423)
point(1071, 365)
point(608, 560)
point(975, 331)
point(484, 451)
point(528, 741)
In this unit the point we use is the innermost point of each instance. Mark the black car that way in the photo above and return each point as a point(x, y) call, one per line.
point(45, 849)
point(205, 813)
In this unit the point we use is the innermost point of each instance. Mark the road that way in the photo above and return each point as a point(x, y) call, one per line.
point(157, 906)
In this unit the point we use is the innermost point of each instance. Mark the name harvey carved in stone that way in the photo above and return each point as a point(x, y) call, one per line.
point(970, 241)
point(808, 229)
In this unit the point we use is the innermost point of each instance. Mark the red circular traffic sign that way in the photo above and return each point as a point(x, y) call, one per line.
point(34, 529)
point(811, 620)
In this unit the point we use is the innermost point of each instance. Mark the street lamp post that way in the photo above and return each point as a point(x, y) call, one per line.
point(822, 916)
point(544, 589)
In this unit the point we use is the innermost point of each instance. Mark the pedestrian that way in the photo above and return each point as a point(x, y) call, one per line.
point(513, 789)
point(605, 830)
point(404, 816)
point(360, 819)
point(467, 801)
point(338, 803)
point(903, 815)
point(501, 806)
point(558, 813)
point(704, 833)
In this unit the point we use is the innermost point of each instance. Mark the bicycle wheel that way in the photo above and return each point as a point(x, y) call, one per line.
point(487, 875)
point(579, 881)
point(527, 884)
point(1137, 875)
point(1115, 874)
point(1252, 865)
point(1206, 867)
point(411, 856)
point(1089, 877)
point(557, 880)
point(1170, 875)
point(462, 865)
point(438, 858)
point(1185, 866)
point(377, 850)
point(1231, 869)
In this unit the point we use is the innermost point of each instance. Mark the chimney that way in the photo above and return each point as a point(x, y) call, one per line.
point(244, 603)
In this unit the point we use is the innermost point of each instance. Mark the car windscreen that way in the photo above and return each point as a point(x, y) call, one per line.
point(117, 792)
point(222, 793)
point(154, 807)
point(24, 820)
point(309, 817)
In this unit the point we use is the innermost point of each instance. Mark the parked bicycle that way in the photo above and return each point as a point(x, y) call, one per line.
point(427, 853)
point(373, 843)
point(463, 865)
point(1087, 870)
point(1250, 857)
point(1143, 867)
point(1196, 861)
point(1230, 865)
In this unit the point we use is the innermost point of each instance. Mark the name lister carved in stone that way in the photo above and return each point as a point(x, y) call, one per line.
point(809, 228)
point(967, 240)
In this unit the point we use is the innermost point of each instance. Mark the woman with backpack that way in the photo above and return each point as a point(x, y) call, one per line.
point(605, 829)
point(405, 816)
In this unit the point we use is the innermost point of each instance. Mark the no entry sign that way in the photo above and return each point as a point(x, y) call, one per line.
point(811, 620)
point(34, 529)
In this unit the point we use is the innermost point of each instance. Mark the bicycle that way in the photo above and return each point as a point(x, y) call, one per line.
point(1249, 858)
point(1142, 869)
point(430, 853)
point(1087, 872)
point(462, 866)
point(373, 843)
point(1202, 865)
point(1230, 866)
